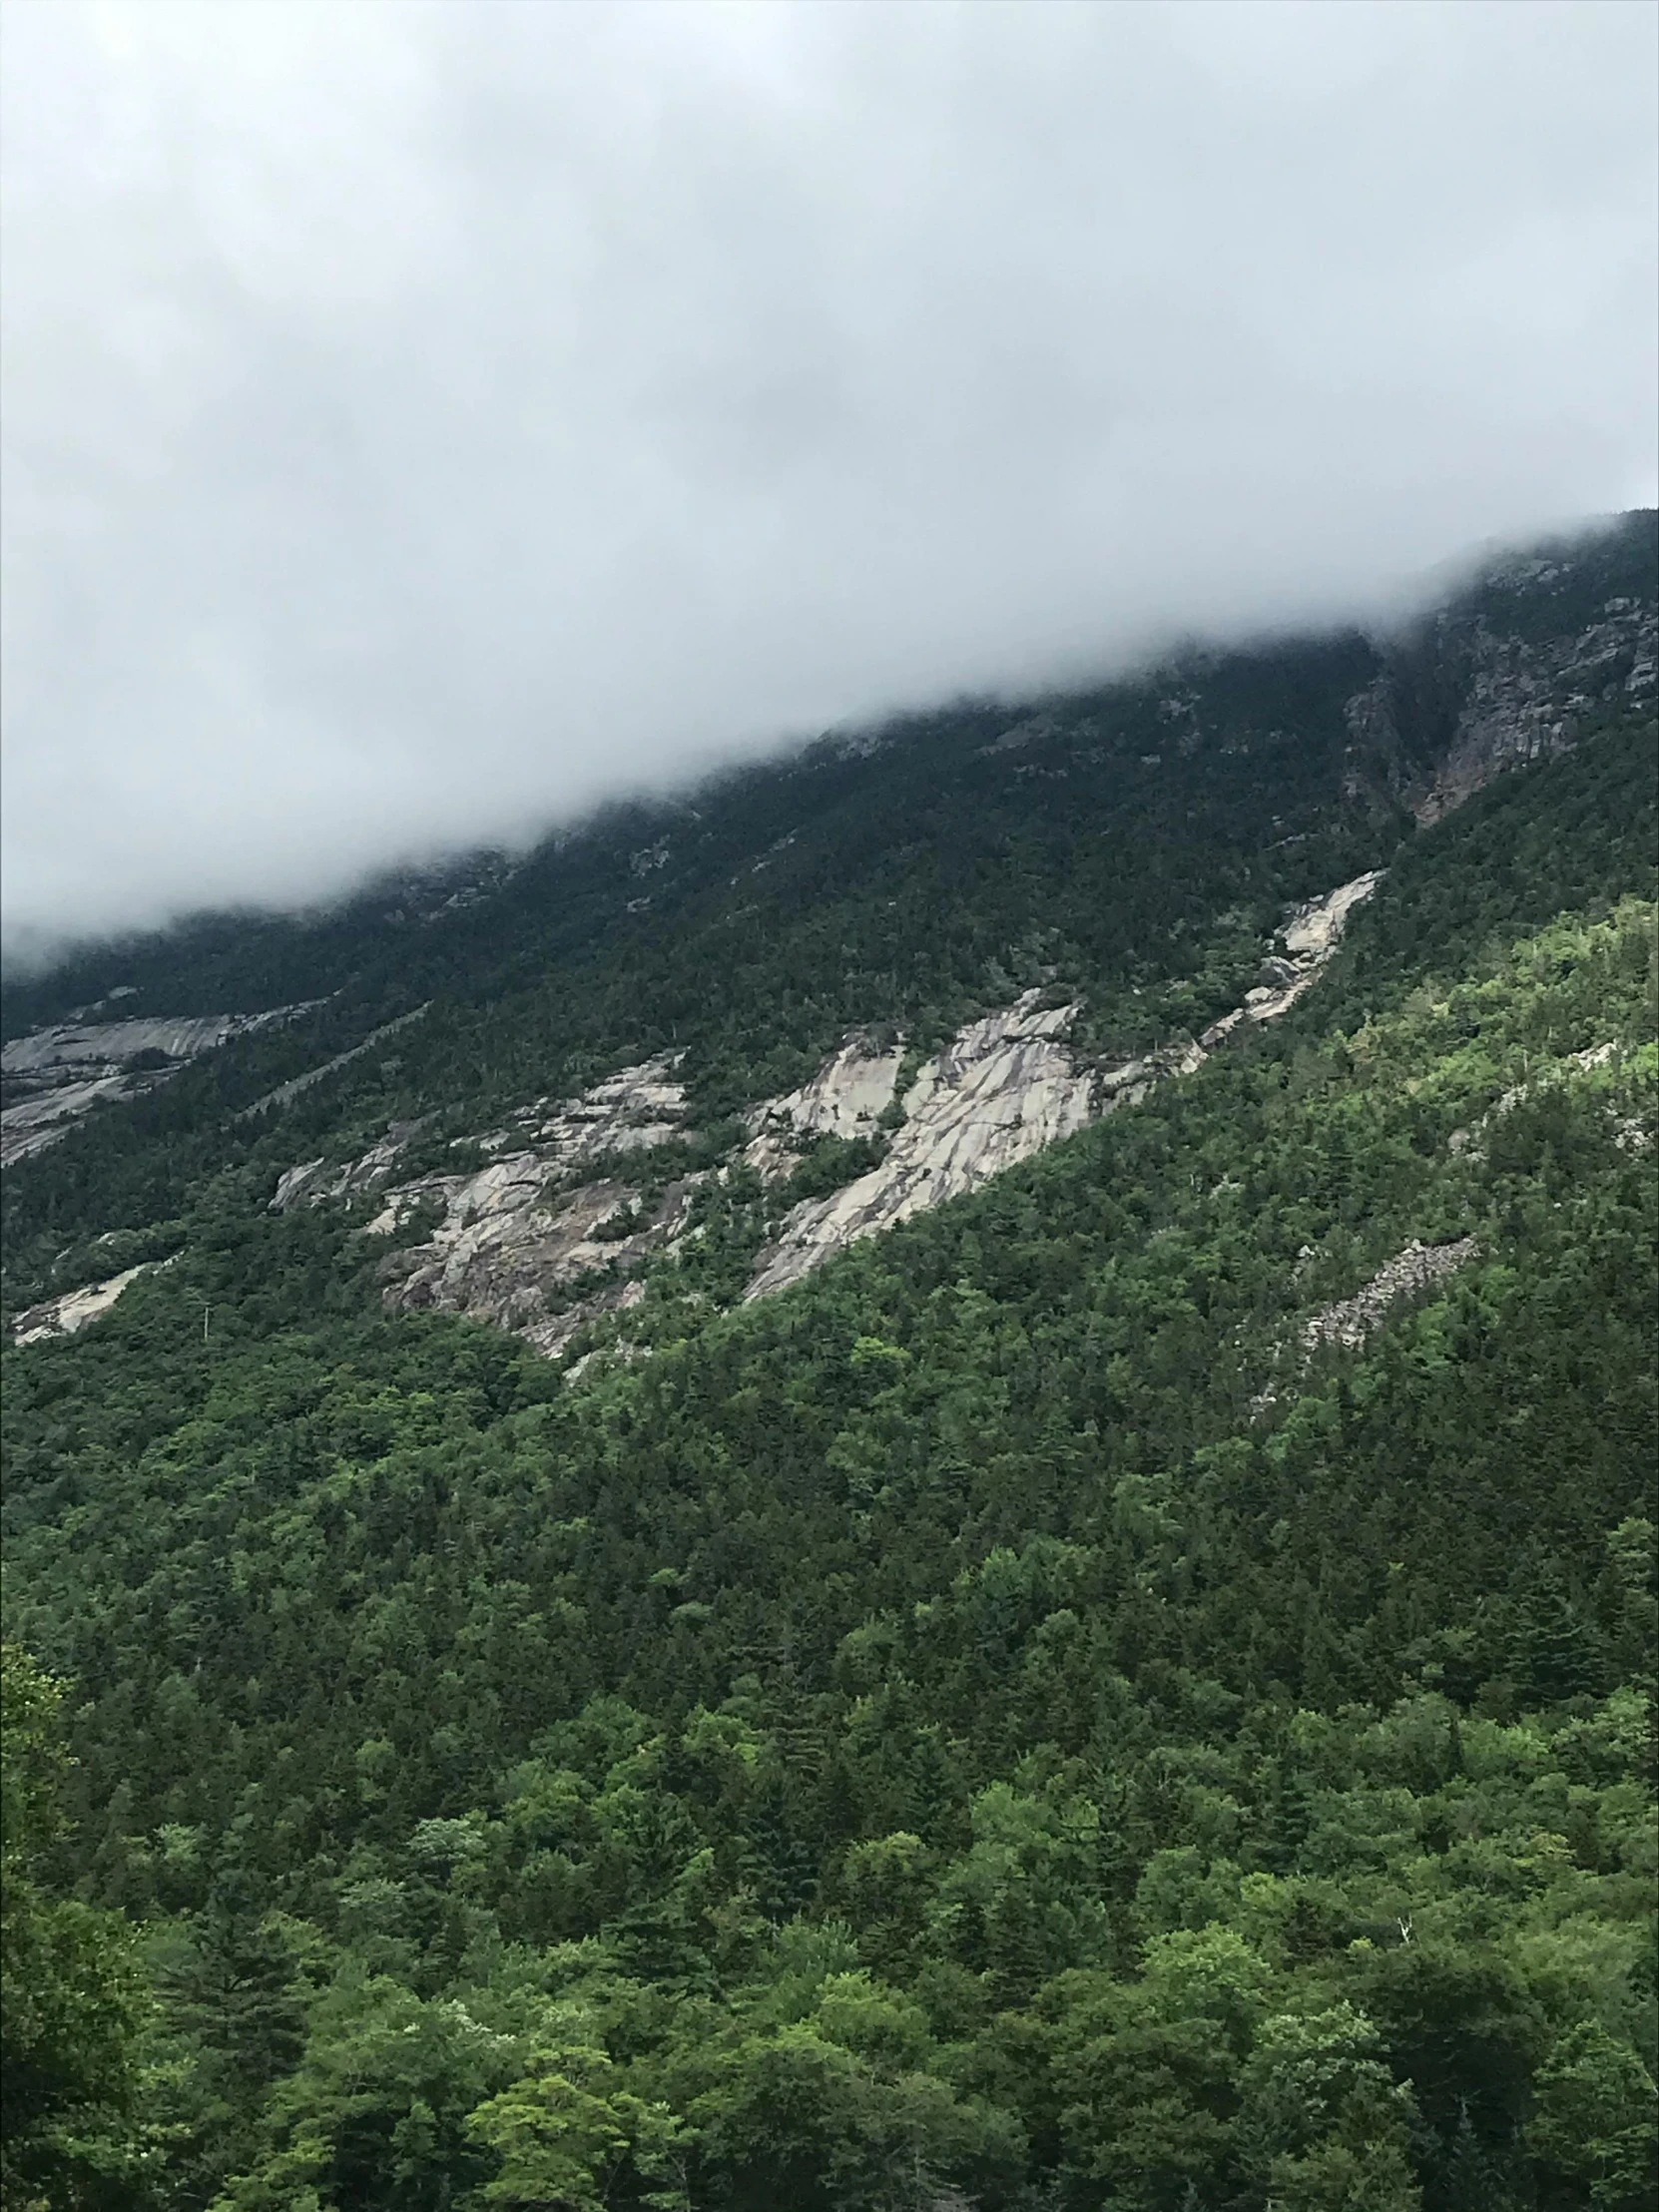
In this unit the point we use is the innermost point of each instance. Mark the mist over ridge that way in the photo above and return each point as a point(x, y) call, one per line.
point(414, 441)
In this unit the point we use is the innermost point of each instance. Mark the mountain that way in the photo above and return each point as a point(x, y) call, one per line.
point(920, 1480)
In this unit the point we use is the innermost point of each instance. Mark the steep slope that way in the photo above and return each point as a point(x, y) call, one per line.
point(1127, 1688)
point(56, 1075)
point(1132, 849)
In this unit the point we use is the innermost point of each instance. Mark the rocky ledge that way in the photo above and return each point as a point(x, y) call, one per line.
point(549, 1232)
point(67, 1314)
point(1522, 699)
point(506, 1241)
point(543, 1239)
point(54, 1077)
point(1309, 937)
point(1003, 1089)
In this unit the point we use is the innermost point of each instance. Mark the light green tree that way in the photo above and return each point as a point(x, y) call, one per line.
point(1595, 2132)
point(69, 1991)
point(1320, 2120)
point(569, 2129)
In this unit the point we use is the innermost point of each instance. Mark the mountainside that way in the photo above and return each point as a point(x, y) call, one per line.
point(922, 1480)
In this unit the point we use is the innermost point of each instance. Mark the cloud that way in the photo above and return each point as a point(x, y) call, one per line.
point(423, 420)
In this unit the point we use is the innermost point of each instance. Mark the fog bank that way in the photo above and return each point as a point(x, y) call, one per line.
point(421, 421)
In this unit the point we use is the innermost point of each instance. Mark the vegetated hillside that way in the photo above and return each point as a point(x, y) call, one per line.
point(1134, 847)
point(1131, 1690)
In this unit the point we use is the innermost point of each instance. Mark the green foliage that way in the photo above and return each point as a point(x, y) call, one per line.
point(830, 1162)
point(1021, 1718)
point(1190, 1779)
point(68, 1998)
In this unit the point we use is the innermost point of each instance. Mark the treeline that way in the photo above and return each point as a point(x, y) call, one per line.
point(994, 1720)
point(1031, 1718)
point(915, 886)
point(1135, 845)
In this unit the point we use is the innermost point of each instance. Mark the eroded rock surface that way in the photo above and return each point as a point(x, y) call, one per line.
point(1310, 937)
point(502, 1245)
point(1008, 1086)
point(40, 1117)
point(316, 1180)
point(1524, 700)
point(109, 1043)
point(630, 1111)
point(505, 1235)
point(1418, 1268)
point(1351, 1322)
point(1531, 702)
point(70, 1313)
point(845, 1098)
point(56, 1076)
point(1002, 1090)
point(545, 1237)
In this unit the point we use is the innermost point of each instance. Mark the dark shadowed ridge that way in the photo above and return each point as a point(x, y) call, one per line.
point(246, 960)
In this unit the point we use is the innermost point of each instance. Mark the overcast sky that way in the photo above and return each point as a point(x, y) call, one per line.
point(421, 419)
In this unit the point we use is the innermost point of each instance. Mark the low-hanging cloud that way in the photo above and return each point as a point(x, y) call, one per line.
point(423, 420)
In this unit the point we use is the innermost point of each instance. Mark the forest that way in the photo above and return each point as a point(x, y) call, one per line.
point(1037, 1717)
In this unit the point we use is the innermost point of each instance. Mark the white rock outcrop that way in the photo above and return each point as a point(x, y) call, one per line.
point(502, 1245)
point(630, 1111)
point(845, 1098)
point(39, 1118)
point(1418, 1268)
point(1309, 937)
point(316, 1180)
point(108, 1043)
point(507, 1234)
point(67, 1314)
point(543, 1238)
point(56, 1076)
point(1313, 928)
point(1472, 1139)
point(1005, 1088)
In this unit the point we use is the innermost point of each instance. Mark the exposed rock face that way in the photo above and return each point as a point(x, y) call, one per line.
point(1028, 732)
point(1518, 700)
point(1310, 937)
point(1350, 1320)
point(502, 1245)
point(507, 1234)
point(844, 1099)
point(1529, 703)
point(1003, 1089)
point(1312, 931)
point(542, 1238)
point(40, 1117)
point(630, 1111)
point(964, 1117)
point(56, 1076)
point(106, 1044)
point(1418, 1268)
point(1008, 1086)
point(63, 1317)
point(316, 1180)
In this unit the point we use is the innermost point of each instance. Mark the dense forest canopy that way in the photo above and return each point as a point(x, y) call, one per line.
point(1068, 1707)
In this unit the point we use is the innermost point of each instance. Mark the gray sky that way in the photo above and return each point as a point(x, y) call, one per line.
point(420, 421)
